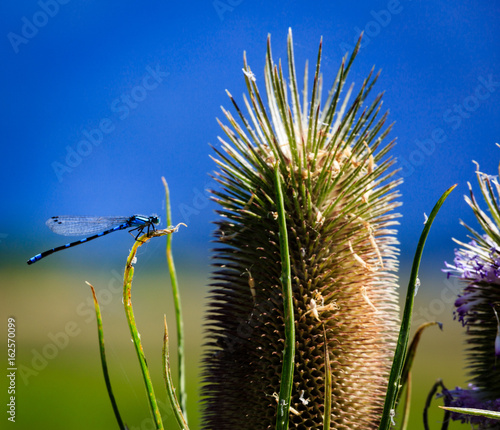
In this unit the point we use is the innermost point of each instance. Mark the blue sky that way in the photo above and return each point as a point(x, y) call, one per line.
point(144, 83)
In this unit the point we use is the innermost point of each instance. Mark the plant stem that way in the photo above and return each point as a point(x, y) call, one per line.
point(102, 350)
point(169, 383)
point(286, 282)
point(178, 309)
point(404, 332)
point(127, 301)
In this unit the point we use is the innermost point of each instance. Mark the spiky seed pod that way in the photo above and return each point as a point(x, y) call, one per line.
point(339, 199)
point(477, 264)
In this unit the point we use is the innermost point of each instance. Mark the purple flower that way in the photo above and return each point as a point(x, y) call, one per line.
point(477, 264)
point(472, 398)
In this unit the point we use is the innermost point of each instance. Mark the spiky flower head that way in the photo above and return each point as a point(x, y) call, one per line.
point(477, 264)
point(339, 196)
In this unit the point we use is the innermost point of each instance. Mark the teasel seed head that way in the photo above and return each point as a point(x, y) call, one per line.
point(477, 265)
point(340, 195)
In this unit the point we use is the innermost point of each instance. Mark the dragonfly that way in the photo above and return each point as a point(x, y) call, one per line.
point(86, 225)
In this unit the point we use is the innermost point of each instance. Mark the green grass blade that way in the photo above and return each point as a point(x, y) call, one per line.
point(178, 308)
point(404, 332)
point(127, 302)
point(286, 282)
point(412, 350)
point(405, 417)
point(472, 411)
point(169, 383)
point(102, 350)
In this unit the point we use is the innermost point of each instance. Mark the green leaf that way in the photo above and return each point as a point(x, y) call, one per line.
point(471, 411)
point(178, 308)
point(286, 281)
point(404, 333)
point(127, 302)
point(102, 351)
point(169, 384)
point(412, 350)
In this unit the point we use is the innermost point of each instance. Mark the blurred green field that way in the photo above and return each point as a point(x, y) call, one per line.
point(61, 387)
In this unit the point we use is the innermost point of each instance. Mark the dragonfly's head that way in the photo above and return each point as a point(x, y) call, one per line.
point(154, 219)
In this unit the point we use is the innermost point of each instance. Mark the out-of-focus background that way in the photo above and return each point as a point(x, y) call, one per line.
point(101, 99)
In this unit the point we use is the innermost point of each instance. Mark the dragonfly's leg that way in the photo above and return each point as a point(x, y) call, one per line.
point(151, 228)
point(130, 232)
point(139, 232)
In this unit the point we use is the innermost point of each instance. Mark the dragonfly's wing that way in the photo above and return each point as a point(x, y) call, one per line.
point(83, 225)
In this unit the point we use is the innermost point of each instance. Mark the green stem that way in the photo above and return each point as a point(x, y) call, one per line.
point(102, 350)
point(127, 301)
point(178, 309)
point(404, 332)
point(169, 383)
point(286, 282)
point(406, 410)
point(412, 351)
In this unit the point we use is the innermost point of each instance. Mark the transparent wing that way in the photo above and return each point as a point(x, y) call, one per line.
point(83, 225)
